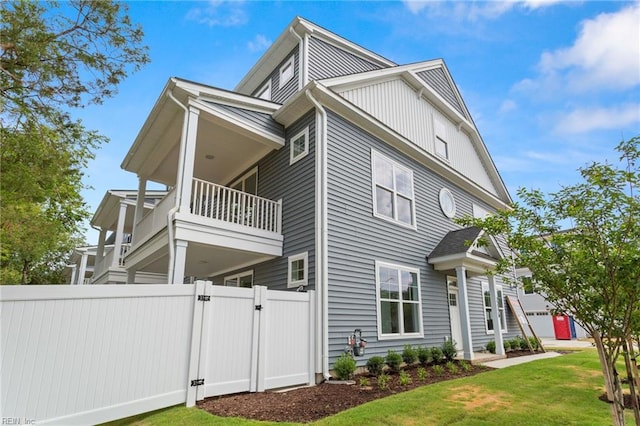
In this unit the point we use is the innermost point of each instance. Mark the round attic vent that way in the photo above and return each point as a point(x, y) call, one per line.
point(447, 203)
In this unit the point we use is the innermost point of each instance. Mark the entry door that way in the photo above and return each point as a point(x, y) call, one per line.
point(454, 314)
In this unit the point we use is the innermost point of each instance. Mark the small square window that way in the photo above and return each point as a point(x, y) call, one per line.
point(286, 72)
point(442, 149)
point(298, 270)
point(265, 92)
point(299, 146)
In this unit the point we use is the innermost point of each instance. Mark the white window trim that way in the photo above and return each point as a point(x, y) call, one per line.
point(446, 149)
point(305, 133)
point(267, 87)
point(502, 312)
point(444, 192)
point(291, 64)
point(394, 219)
point(379, 318)
point(238, 276)
point(244, 177)
point(297, 283)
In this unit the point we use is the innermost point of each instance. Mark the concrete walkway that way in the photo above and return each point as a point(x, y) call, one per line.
point(549, 345)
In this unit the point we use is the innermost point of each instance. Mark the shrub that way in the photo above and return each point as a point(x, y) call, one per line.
point(375, 364)
point(404, 379)
point(452, 367)
point(436, 354)
point(383, 381)
point(364, 382)
point(409, 355)
point(422, 373)
point(534, 343)
point(466, 366)
point(506, 344)
point(344, 366)
point(424, 354)
point(515, 343)
point(525, 347)
point(449, 350)
point(438, 370)
point(393, 361)
point(491, 346)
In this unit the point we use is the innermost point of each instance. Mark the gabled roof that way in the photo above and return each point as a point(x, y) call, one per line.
point(288, 39)
point(463, 247)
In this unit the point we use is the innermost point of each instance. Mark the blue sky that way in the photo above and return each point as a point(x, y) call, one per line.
point(551, 85)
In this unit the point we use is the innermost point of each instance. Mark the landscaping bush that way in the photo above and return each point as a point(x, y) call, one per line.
point(515, 343)
point(436, 354)
point(393, 361)
point(383, 381)
point(466, 366)
point(525, 347)
point(344, 367)
point(424, 354)
point(449, 350)
point(404, 379)
point(534, 343)
point(491, 346)
point(375, 364)
point(452, 367)
point(422, 374)
point(506, 344)
point(409, 355)
point(364, 382)
point(438, 370)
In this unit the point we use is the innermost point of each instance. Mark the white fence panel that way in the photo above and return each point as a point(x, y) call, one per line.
point(288, 355)
point(78, 355)
point(229, 340)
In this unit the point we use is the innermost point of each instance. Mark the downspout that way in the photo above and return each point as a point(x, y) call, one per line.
point(321, 245)
point(178, 188)
point(300, 56)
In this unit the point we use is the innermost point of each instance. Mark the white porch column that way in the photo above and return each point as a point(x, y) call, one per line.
point(83, 268)
point(179, 262)
point(465, 322)
point(495, 316)
point(100, 251)
point(117, 245)
point(72, 279)
point(139, 213)
point(185, 173)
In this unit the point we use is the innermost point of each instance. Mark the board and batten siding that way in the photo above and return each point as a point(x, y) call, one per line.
point(357, 240)
point(398, 106)
point(327, 60)
point(280, 93)
point(295, 185)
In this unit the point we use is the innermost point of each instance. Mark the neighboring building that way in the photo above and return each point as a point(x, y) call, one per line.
point(80, 268)
point(328, 168)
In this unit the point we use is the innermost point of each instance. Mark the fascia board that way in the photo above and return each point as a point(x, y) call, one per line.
point(380, 130)
point(245, 127)
point(228, 98)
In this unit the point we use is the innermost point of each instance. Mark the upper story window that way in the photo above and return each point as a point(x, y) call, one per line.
point(298, 270)
point(299, 146)
point(265, 91)
point(486, 301)
point(399, 305)
point(243, 279)
point(441, 145)
point(393, 196)
point(248, 182)
point(286, 72)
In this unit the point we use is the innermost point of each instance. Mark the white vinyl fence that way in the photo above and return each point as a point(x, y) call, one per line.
point(91, 354)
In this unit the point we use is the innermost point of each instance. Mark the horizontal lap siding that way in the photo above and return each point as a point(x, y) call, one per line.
point(279, 93)
point(260, 119)
point(357, 239)
point(327, 60)
point(295, 185)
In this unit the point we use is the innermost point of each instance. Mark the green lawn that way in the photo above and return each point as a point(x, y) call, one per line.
point(555, 391)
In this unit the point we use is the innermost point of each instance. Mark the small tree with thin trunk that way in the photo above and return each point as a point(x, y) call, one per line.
point(582, 246)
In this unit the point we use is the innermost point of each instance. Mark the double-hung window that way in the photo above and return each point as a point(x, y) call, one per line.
point(298, 267)
point(392, 191)
point(399, 305)
point(486, 301)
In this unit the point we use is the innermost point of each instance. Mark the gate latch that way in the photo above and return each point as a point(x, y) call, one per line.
point(258, 307)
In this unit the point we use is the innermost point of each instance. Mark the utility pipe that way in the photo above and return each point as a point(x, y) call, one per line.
point(178, 188)
point(321, 245)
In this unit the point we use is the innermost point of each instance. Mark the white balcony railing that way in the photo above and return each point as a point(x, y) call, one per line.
point(233, 206)
point(107, 261)
point(156, 219)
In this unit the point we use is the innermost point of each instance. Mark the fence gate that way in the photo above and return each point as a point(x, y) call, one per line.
point(254, 339)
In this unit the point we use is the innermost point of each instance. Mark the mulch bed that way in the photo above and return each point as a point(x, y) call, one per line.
point(308, 404)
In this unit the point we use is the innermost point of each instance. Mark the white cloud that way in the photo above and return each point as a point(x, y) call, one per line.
point(219, 13)
point(473, 11)
point(259, 43)
point(605, 55)
point(507, 106)
point(584, 120)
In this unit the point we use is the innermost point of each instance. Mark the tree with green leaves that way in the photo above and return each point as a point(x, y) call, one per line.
point(54, 58)
point(582, 247)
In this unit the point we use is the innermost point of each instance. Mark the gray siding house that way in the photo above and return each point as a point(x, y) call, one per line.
point(329, 168)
